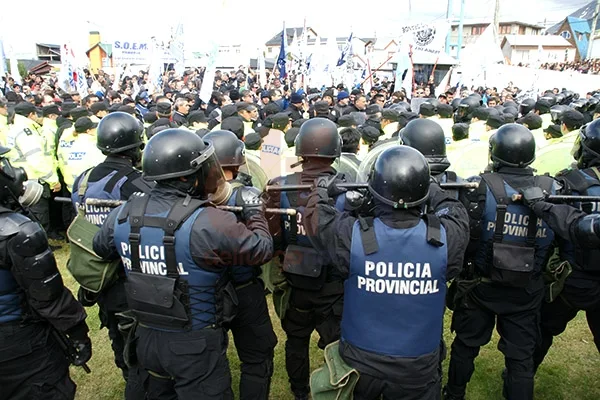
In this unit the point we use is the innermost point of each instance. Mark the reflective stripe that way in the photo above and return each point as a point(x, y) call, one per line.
point(32, 152)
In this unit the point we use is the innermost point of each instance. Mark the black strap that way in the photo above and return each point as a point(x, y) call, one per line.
point(293, 179)
point(136, 212)
point(496, 185)
point(451, 176)
point(367, 235)
point(110, 185)
point(434, 230)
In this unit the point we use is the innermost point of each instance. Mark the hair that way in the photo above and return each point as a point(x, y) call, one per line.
point(350, 140)
point(179, 102)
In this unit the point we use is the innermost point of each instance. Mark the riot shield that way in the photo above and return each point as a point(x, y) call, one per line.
point(553, 158)
point(347, 166)
point(253, 168)
point(366, 165)
point(470, 160)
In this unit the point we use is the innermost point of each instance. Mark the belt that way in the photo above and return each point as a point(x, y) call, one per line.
point(244, 284)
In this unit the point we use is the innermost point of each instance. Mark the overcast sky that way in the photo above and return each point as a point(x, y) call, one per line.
point(246, 22)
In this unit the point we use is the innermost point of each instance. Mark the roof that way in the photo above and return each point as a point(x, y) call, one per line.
point(276, 40)
point(579, 25)
point(485, 21)
point(54, 46)
point(536, 40)
point(586, 12)
point(106, 47)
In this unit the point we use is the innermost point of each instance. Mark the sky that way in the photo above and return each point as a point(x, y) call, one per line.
point(247, 22)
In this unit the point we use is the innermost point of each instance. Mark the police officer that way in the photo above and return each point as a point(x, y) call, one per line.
point(33, 301)
point(508, 248)
point(252, 329)
point(316, 297)
point(428, 137)
point(29, 152)
point(119, 137)
point(397, 357)
point(177, 249)
point(581, 290)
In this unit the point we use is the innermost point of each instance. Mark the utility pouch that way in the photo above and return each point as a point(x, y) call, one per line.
point(304, 268)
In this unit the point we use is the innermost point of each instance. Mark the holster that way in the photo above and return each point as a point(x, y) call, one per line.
point(335, 380)
point(555, 275)
point(281, 298)
point(128, 327)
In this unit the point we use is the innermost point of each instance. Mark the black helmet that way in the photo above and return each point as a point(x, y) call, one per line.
point(556, 113)
point(228, 148)
point(118, 132)
point(526, 106)
point(455, 103)
point(400, 177)
point(428, 137)
point(174, 153)
point(512, 145)
point(11, 179)
point(466, 108)
point(586, 149)
point(318, 137)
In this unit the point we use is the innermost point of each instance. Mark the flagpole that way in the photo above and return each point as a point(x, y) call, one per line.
point(433, 70)
point(412, 65)
point(376, 69)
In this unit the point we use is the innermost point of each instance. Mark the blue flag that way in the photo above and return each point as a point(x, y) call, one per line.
point(345, 51)
point(282, 55)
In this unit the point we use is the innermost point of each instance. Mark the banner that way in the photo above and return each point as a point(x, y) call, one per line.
point(209, 74)
point(427, 38)
point(137, 51)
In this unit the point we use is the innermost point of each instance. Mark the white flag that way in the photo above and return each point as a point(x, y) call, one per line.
point(262, 69)
point(404, 65)
point(14, 69)
point(426, 38)
point(2, 60)
point(209, 74)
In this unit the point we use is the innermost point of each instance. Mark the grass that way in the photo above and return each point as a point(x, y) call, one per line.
point(570, 371)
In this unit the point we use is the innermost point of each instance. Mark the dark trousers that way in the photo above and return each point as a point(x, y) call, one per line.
point(556, 315)
point(185, 365)
point(32, 366)
point(111, 302)
point(515, 312)
point(41, 210)
point(308, 311)
point(254, 341)
point(371, 388)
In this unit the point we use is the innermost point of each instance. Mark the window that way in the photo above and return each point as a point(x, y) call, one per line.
point(566, 34)
point(477, 30)
point(579, 37)
point(521, 30)
point(270, 50)
point(505, 29)
point(454, 28)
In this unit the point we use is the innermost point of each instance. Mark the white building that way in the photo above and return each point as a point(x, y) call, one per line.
point(525, 49)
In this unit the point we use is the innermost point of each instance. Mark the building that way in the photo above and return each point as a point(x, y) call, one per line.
point(536, 49)
point(48, 52)
point(100, 54)
point(473, 28)
point(586, 12)
point(577, 32)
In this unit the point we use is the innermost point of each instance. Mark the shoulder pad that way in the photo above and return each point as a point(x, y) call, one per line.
point(10, 223)
point(563, 172)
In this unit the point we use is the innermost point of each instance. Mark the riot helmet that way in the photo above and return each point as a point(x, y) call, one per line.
point(466, 108)
point(175, 153)
point(455, 103)
point(318, 137)
point(119, 132)
point(400, 178)
point(556, 113)
point(428, 137)
point(586, 149)
point(526, 106)
point(512, 145)
point(12, 179)
point(229, 149)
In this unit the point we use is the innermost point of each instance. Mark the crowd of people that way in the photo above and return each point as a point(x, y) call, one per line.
point(587, 66)
point(367, 268)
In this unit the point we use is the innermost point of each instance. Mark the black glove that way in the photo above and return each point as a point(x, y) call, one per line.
point(251, 207)
point(532, 195)
point(330, 182)
point(84, 351)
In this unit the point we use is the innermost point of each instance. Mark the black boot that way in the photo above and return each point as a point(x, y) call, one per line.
point(447, 396)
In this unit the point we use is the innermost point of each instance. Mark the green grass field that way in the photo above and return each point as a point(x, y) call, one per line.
point(571, 370)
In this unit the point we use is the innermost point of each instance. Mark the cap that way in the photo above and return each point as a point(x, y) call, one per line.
point(427, 110)
point(127, 109)
point(244, 106)
point(281, 118)
point(253, 141)
point(290, 136)
point(533, 121)
point(445, 110)
point(347, 121)
point(390, 115)
point(79, 112)
point(321, 107)
point(553, 130)
point(573, 119)
point(164, 108)
point(98, 106)
point(296, 98)
point(373, 109)
point(495, 121)
point(543, 106)
point(235, 125)
point(342, 95)
point(265, 93)
point(328, 93)
point(228, 111)
point(298, 123)
point(84, 124)
point(197, 116)
point(25, 108)
point(51, 109)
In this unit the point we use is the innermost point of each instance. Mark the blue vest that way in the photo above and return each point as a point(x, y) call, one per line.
point(201, 282)
point(515, 231)
point(10, 297)
point(98, 190)
point(394, 299)
point(583, 259)
point(239, 273)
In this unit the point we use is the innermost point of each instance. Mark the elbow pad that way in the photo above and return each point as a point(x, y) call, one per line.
point(587, 231)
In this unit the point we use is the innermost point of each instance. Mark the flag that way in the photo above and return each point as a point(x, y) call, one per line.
point(347, 49)
point(209, 74)
point(404, 70)
point(282, 54)
point(441, 88)
point(262, 69)
point(155, 71)
point(177, 50)
point(2, 60)
point(14, 69)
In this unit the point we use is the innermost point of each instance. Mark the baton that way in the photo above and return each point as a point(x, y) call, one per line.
point(354, 186)
point(117, 203)
point(554, 198)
